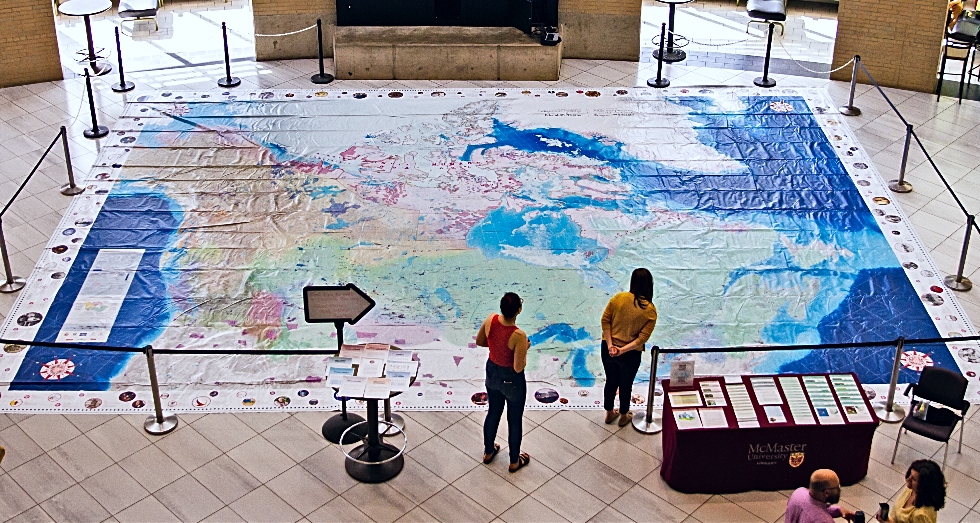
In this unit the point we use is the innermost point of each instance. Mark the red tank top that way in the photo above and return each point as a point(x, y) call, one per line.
point(497, 339)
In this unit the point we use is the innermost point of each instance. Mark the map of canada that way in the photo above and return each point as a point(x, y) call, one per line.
point(207, 214)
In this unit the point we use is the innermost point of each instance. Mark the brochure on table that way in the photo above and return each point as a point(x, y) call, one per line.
point(822, 399)
point(799, 406)
point(851, 398)
point(371, 371)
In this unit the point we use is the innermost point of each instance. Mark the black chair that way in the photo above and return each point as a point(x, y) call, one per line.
point(133, 10)
point(765, 11)
point(958, 44)
point(944, 389)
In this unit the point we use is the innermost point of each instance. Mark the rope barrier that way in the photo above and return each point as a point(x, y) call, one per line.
point(692, 41)
point(289, 33)
point(849, 62)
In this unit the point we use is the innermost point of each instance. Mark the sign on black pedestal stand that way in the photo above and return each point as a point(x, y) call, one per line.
point(338, 304)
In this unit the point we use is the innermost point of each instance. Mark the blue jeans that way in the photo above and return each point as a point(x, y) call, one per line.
point(504, 386)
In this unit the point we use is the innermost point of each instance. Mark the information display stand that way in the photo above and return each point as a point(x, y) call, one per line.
point(765, 432)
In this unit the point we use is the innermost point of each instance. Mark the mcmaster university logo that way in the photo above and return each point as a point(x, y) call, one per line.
point(775, 453)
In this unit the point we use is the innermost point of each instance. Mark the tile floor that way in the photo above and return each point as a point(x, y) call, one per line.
point(276, 467)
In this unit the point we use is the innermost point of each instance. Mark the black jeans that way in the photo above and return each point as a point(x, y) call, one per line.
point(504, 385)
point(620, 373)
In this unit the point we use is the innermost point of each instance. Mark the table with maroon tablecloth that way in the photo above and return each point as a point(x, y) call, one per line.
point(726, 460)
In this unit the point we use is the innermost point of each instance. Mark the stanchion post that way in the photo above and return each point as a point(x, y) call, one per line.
point(645, 424)
point(123, 86)
point(849, 109)
point(764, 80)
point(959, 282)
point(887, 411)
point(11, 283)
point(97, 131)
point(161, 422)
point(71, 189)
point(228, 81)
point(660, 82)
point(900, 185)
point(322, 77)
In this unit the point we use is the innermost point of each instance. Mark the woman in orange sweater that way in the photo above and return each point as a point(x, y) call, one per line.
point(627, 324)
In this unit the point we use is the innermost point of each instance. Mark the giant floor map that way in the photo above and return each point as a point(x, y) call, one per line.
point(207, 213)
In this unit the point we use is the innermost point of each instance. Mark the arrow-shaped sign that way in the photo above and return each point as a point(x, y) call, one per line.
point(337, 304)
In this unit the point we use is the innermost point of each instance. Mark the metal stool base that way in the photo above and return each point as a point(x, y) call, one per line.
point(397, 422)
point(123, 88)
point(764, 82)
point(68, 190)
point(659, 84)
point(670, 56)
point(229, 81)
point(641, 425)
point(13, 285)
point(159, 429)
point(848, 110)
point(962, 286)
point(96, 133)
point(900, 187)
point(375, 472)
point(334, 427)
point(895, 416)
point(325, 79)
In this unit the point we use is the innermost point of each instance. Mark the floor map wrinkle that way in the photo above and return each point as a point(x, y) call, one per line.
point(207, 213)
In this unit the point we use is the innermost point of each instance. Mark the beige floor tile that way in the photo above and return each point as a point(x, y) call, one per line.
point(295, 439)
point(443, 459)
point(74, 504)
point(418, 483)
point(491, 491)
point(14, 499)
point(719, 510)
point(577, 430)
point(688, 503)
point(379, 501)
point(49, 431)
point(262, 505)
point(640, 505)
point(34, 514)
point(547, 448)
point(597, 478)
point(612, 451)
point(152, 468)
point(20, 447)
point(338, 510)
point(452, 505)
point(114, 489)
point(117, 438)
point(417, 515)
point(568, 500)
point(41, 478)
point(188, 499)
point(609, 515)
point(224, 431)
point(261, 458)
point(768, 506)
point(188, 448)
point(530, 510)
point(224, 478)
point(225, 515)
point(146, 511)
point(328, 466)
point(301, 490)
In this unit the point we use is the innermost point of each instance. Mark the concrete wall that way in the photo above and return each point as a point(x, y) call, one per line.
point(601, 29)
point(28, 43)
point(597, 29)
point(901, 50)
point(283, 16)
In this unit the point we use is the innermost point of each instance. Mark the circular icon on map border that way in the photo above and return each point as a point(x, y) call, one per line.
point(57, 275)
point(201, 401)
point(479, 398)
point(546, 395)
point(969, 354)
point(910, 265)
point(932, 299)
point(303, 393)
point(59, 249)
point(93, 403)
point(314, 402)
point(881, 200)
point(282, 401)
point(12, 348)
point(127, 396)
point(248, 402)
point(68, 232)
point(29, 319)
point(139, 404)
point(360, 96)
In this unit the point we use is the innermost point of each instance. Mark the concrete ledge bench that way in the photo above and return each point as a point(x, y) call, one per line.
point(442, 53)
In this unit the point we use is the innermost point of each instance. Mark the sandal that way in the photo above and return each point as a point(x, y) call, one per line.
point(522, 462)
point(488, 460)
point(624, 419)
point(611, 416)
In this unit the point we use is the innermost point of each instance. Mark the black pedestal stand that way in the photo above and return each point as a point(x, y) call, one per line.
point(334, 427)
point(764, 80)
point(660, 82)
point(97, 131)
point(228, 80)
point(322, 77)
point(123, 86)
point(374, 461)
point(670, 55)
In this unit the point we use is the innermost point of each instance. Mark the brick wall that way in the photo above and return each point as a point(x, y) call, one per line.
point(283, 16)
point(900, 43)
point(28, 43)
point(601, 29)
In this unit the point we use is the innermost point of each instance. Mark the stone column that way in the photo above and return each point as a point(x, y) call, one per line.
point(283, 16)
point(28, 43)
point(601, 29)
point(899, 42)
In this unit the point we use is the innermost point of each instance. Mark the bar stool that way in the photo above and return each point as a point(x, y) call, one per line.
point(958, 44)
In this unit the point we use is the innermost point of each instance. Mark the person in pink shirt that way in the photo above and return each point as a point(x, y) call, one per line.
point(817, 504)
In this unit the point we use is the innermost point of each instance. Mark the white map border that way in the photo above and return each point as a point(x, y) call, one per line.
point(41, 290)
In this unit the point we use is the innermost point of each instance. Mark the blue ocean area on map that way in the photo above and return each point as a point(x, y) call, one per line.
point(796, 185)
point(791, 181)
point(128, 220)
